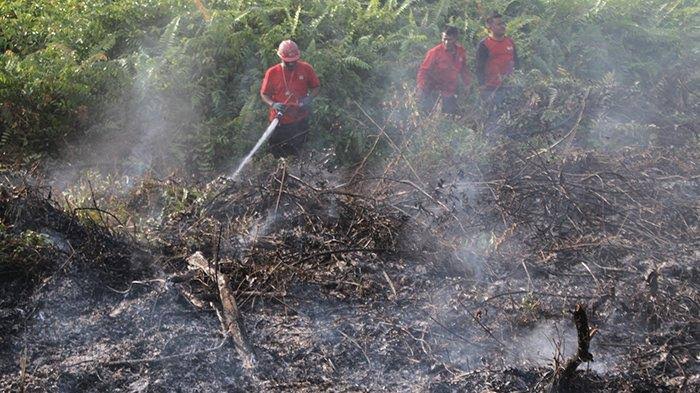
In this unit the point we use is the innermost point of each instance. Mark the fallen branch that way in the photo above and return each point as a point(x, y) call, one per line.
point(231, 317)
point(352, 340)
point(131, 362)
point(537, 293)
point(157, 359)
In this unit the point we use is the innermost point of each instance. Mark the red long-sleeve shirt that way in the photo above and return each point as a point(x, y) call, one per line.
point(441, 70)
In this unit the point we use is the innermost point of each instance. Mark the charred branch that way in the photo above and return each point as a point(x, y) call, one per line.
point(231, 317)
point(563, 380)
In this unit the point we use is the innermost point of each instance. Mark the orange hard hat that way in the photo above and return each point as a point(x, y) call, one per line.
point(288, 51)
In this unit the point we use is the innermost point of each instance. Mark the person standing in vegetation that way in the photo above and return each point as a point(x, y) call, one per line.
point(288, 89)
point(439, 74)
point(496, 57)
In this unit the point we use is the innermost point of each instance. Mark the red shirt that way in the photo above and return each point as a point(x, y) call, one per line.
point(494, 60)
point(440, 70)
point(289, 87)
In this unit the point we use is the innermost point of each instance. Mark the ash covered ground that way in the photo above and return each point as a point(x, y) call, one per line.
point(465, 282)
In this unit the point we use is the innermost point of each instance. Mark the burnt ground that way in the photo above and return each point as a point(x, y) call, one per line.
point(464, 286)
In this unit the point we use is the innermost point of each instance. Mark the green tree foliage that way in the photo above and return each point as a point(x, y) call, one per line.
point(54, 63)
point(76, 69)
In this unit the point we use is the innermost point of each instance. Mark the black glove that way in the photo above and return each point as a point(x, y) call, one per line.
point(279, 107)
point(306, 101)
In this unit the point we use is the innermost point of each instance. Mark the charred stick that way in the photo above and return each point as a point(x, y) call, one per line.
point(570, 135)
point(131, 362)
point(399, 151)
point(563, 380)
point(94, 203)
point(391, 284)
point(232, 319)
point(452, 332)
point(484, 327)
point(279, 194)
point(100, 211)
point(364, 160)
point(352, 340)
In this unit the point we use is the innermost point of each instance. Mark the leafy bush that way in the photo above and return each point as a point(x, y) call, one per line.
point(180, 84)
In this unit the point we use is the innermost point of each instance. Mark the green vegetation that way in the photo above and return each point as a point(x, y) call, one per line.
point(117, 118)
point(23, 254)
point(73, 71)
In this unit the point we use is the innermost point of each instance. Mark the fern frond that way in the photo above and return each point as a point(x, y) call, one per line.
point(442, 6)
point(356, 62)
point(167, 39)
point(372, 6)
point(6, 137)
point(295, 22)
point(553, 94)
point(311, 48)
point(313, 25)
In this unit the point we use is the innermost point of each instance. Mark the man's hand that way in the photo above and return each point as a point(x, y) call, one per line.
point(279, 107)
point(306, 101)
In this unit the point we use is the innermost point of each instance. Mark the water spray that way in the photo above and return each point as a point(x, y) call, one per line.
point(265, 136)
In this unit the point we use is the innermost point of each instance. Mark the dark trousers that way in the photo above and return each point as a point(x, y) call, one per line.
point(288, 139)
point(428, 100)
point(493, 96)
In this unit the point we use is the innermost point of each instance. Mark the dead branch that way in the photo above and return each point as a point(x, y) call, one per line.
point(563, 379)
point(157, 359)
point(569, 135)
point(231, 315)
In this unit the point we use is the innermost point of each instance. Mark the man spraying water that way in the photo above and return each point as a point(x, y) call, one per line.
point(289, 88)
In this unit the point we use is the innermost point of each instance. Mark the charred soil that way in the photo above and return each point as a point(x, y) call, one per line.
point(463, 283)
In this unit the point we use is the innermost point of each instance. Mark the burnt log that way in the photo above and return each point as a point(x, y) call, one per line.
point(563, 380)
point(230, 315)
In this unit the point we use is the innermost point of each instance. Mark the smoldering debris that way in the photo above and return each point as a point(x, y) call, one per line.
point(371, 284)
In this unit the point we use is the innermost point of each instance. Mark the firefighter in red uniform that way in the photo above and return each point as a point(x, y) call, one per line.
point(496, 57)
point(438, 75)
point(289, 88)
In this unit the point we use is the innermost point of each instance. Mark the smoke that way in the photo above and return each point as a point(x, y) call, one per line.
point(142, 130)
point(612, 133)
point(81, 321)
point(541, 345)
point(259, 227)
point(147, 114)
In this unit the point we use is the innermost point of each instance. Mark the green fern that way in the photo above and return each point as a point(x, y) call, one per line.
point(169, 39)
point(356, 62)
point(295, 22)
point(403, 7)
point(206, 76)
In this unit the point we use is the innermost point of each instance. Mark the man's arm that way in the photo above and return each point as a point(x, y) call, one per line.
point(265, 89)
point(424, 72)
point(266, 99)
point(314, 84)
point(482, 56)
